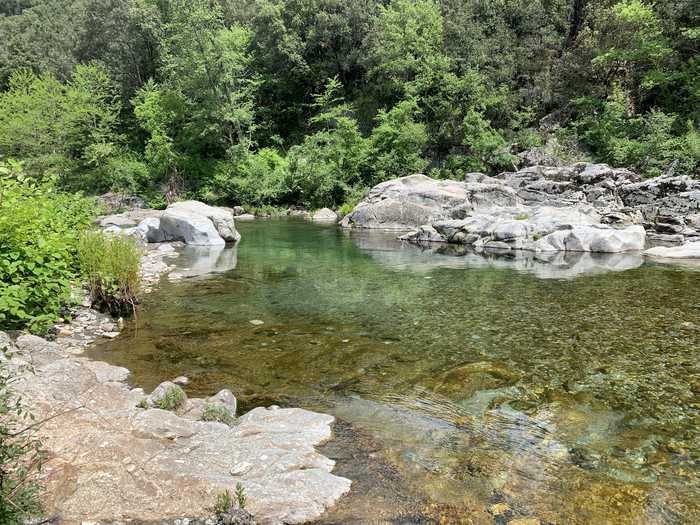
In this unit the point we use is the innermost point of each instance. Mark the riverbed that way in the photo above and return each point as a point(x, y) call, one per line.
point(467, 388)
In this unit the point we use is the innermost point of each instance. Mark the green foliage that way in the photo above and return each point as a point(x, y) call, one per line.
point(240, 495)
point(406, 44)
point(257, 179)
point(648, 143)
point(59, 127)
point(39, 232)
point(397, 143)
point(173, 399)
point(224, 502)
point(329, 162)
point(21, 456)
point(217, 412)
point(208, 66)
point(110, 265)
point(157, 111)
point(488, 149)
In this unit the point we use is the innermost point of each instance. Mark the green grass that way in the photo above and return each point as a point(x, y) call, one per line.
point(111, 267)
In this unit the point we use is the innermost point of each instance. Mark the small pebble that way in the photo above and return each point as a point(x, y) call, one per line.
point(256, 322)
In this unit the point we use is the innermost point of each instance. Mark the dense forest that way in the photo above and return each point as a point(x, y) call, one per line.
point(310, 102)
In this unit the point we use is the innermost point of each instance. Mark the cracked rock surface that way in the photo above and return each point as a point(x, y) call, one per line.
point(110, 460)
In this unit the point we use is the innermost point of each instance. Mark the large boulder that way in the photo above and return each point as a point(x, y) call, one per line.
point(189, 228)
point(412, 201)
point(221, 218)
point(325, 215)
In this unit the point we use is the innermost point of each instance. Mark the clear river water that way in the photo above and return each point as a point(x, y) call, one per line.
point(467, 389)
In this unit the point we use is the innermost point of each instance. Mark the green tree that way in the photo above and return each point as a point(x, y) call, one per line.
point(208, 65)
point(634, 47)
point(328, 163)
point(397, 143)
point(59, 128)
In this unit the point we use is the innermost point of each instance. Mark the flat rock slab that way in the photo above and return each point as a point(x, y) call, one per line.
point(112, 461)
point(689, 250)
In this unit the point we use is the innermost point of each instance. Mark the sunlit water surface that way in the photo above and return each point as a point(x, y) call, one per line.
point(467, 389)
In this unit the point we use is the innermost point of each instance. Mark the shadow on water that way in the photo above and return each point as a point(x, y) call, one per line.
point(469, 388)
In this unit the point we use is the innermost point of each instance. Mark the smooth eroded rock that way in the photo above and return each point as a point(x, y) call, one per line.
point(690, 250)
point(161, 465)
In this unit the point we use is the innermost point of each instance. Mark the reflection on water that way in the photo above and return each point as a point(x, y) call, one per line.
point(385, 248)
point(470, 389)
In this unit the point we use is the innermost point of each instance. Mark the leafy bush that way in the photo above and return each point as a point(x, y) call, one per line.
point(215, 412)
point(257, 179)
point(397, 143)
point(21, 457)
point(39, 232)
point(111, 265)
point(649, 143)
point(488, 149)
point(174, 398)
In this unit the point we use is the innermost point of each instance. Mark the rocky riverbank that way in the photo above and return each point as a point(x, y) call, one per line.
point(117, 455)
point(577, 208)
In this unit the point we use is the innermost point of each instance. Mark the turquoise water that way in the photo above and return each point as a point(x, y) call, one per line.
point(467, 389)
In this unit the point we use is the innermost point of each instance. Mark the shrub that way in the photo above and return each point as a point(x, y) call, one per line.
point(111, 267)
point(397, 143)
point(39, 232)
point(173, 399)
point(649, 143)
point(59, 127)
point(218, 413)
point(256, 179)
point(21, 457)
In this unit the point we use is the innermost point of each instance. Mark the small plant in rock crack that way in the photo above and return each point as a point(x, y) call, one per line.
point(218, 413)
point(224, 503)
point(240, 495)
point(173, 399)
point(227, 502)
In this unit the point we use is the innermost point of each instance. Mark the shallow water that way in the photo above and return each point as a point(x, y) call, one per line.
point(469, 389)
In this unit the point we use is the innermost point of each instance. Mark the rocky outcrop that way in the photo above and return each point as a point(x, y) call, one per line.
point(109, 460)
point(581, 207)
point(411, 201)
point(190, 222)
point(541, 229)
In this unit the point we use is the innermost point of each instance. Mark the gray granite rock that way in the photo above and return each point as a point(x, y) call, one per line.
point(161, 465)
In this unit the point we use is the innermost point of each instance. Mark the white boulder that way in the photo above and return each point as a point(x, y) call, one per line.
point(221, 218)
point(689, 250)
